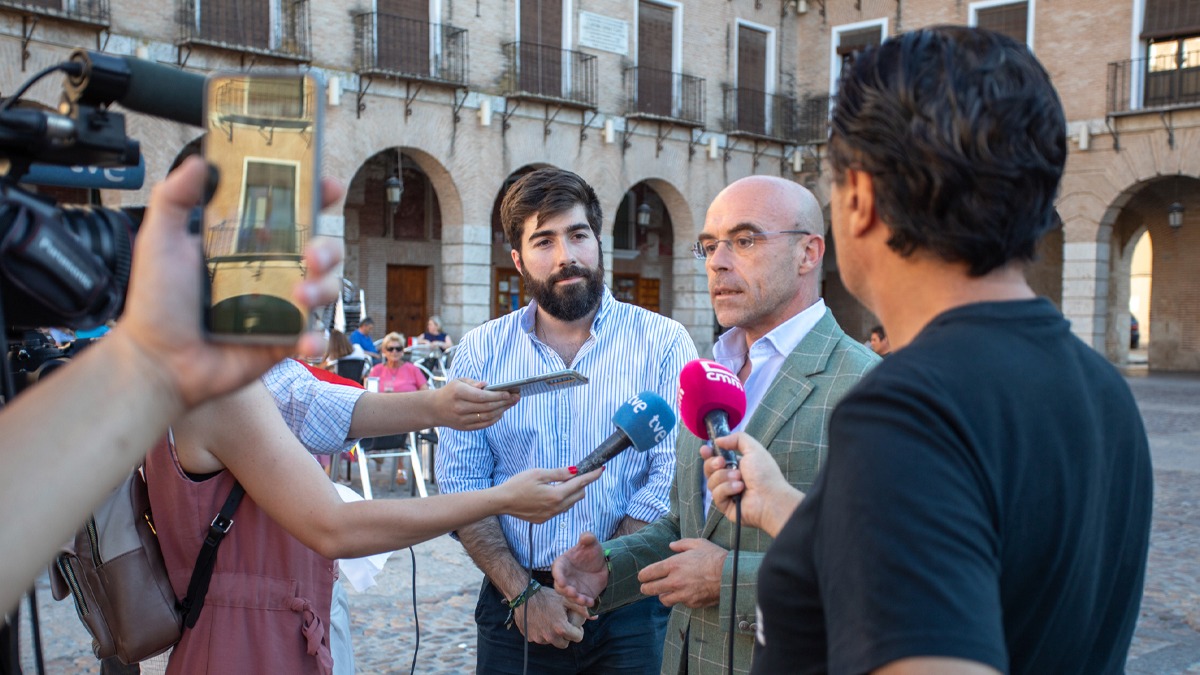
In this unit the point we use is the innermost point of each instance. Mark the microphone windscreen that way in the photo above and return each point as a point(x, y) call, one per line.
point(646, 419)
point(705, 386)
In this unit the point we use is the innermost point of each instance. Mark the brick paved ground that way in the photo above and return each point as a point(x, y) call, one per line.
point(1167, 638)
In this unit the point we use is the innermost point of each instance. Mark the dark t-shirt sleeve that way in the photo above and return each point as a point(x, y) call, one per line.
point(905, 545)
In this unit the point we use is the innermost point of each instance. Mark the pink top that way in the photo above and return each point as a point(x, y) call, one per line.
point(267, 607)
point(405, 378)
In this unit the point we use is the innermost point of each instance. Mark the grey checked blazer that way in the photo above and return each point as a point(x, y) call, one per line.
point(792, 421)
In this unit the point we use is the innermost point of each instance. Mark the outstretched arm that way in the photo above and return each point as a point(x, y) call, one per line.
point(245, 433)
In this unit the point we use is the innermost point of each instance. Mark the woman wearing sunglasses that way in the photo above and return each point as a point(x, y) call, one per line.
point(396, 374)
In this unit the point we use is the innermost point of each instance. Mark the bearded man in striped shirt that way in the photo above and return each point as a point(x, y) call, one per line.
point(552, 220)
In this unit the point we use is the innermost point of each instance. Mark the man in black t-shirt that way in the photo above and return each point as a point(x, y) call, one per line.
point(986, 503)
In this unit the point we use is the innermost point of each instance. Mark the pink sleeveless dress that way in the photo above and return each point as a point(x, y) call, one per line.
point(267, 607)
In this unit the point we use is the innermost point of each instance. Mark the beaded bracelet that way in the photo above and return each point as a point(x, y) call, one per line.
point(516, 602)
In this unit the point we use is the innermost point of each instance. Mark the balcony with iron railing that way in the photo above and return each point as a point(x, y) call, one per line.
point(394, 46)
point(749, 112)
point(812, 124)
point(662, 94)
point(547, 73)
point(1170, 81)
point(84, 12)
point(246, 27)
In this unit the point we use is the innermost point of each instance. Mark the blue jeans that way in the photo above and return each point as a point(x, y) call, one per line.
point(628, 641)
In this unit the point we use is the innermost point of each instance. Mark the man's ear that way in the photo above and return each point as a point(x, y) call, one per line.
point(858, 201)
point(516, 258)
point(814, 252)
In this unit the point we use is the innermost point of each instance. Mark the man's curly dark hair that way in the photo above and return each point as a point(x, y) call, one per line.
point(964, 137)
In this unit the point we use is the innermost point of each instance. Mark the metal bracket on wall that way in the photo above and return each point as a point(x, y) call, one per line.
point(549, 118)
point(504, 124)
point(1108, 122)
point(182, 54)
point(410, 95)
point(28, 24)
point(760, 149)
point(730, 143)
point(664, 130)
point(585, 122)
point(1169, 124)
point(694, 139)
point(458, 104)
point(362, 91)
point(784, 155)
point(631, 126)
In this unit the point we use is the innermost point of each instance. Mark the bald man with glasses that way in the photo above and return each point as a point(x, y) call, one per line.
point(796, 363)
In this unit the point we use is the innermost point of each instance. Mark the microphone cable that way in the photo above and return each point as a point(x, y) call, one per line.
point(737, 545)
point(416, 619)
point(525, 611)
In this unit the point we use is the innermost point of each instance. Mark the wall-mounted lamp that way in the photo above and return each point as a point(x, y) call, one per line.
point(333, 91)
point(485, 112)
point(801, 6)
point(393, 190)
point(713, 150)
point(1175, 215)
point(643, 215)
point(610, 132)
point(797, 161)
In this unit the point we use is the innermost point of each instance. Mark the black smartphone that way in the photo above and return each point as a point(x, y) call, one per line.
point(264, 138)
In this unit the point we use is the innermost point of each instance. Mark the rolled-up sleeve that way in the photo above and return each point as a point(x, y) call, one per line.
point(464, 459)
point(652, 501)
point(318, 413)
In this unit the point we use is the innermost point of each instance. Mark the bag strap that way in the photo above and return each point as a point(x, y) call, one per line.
point(207, 559)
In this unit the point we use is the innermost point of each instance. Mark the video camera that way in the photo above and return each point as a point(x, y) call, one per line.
point(68, 264)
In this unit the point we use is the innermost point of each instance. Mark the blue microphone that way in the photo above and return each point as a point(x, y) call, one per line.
point(642, 422)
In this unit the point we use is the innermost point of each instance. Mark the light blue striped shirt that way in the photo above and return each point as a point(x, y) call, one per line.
point(318, 413)
point(630, 350)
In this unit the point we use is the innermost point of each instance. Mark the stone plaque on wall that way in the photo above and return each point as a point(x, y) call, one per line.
point(603, 32)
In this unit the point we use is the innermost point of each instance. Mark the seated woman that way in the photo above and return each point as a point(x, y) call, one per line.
point(395, 373)
point(434, 336)
point(267, 608)
point(344, 358)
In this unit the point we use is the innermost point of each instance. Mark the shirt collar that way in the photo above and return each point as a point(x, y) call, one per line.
point(782, 339)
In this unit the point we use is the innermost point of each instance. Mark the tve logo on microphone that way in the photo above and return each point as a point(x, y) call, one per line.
point(657, 427)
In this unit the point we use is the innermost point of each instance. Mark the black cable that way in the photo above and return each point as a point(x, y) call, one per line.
point(416, 619)
point(737, 545)
point(528, 583)
point(69, 67)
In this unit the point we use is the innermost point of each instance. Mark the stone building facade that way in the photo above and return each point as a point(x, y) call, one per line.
point(658, 104)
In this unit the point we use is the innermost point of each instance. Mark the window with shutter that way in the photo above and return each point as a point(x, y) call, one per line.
point(1011, 20)
point(540, 55)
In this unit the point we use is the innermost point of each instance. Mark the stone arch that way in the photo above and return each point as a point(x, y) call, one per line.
point(1175, 305)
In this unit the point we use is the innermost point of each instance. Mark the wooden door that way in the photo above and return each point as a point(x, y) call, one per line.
point(655, 81)
point(403, 36)
point(752, 80)
point(540, 56)
point(407, 299)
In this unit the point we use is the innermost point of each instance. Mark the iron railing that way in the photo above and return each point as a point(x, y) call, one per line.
point(661, 93)
point(756, 113)
point(1160, 82)
point(813, 121)
point(395, 46)
point(246, 27)
point(91, 12)
point(549, 73)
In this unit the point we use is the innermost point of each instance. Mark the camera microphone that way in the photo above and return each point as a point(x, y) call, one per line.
point(642, 422)
point(140, 85)
point(711, 401)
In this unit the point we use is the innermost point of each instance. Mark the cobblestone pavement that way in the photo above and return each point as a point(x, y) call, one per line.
point(1167, 638)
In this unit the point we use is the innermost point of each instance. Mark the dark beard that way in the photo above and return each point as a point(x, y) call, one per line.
point(572, 302)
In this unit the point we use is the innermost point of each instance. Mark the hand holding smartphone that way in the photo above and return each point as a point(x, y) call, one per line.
point(264, 138)
point(540, 384)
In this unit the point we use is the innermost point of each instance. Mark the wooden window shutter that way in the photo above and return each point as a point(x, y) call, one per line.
point(1011, 20)
point(1170, 18)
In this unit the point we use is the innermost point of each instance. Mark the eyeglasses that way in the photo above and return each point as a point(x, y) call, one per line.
point(743, 242)
point(395, 349)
